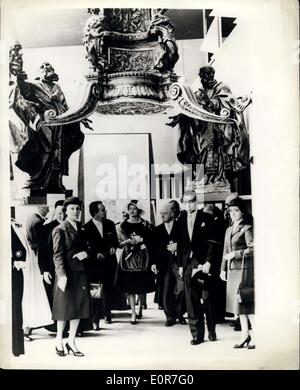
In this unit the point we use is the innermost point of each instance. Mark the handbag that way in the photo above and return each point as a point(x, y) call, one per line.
point(96, 290)
point(246, 287)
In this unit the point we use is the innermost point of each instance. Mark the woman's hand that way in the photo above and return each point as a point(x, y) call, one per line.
point(172, 247)
point(223, 276)
point(62, 283)
point(138, 239)
point(154, 269)
point(229, 256)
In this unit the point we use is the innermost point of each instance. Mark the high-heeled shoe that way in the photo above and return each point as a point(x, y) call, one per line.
point(245, 343)
point(60, 352)
point(75, 353)
point(139, 316)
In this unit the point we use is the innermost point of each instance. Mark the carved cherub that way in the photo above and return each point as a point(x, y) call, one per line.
point(162, 28)
point(94, 31)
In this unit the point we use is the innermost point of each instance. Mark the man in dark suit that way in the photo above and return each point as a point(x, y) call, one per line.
point(18, 258)
point(45, 253)
point(196, 262)
point(164, 244)
point(102, 240)
point(34, 228)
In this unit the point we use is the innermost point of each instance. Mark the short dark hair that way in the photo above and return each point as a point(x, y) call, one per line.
point(59, 203)
point(93, 207)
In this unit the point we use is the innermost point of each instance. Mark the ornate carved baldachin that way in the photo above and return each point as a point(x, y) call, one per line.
point(123, 60)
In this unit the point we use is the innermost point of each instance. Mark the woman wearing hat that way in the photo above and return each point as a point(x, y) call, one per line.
point(71, 290)
point(238, 265)
point(134, 275)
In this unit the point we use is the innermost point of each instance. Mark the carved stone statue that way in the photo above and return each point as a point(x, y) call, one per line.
point(167, 55)
point(43, 151)
point(222, 148)
point(93, 36)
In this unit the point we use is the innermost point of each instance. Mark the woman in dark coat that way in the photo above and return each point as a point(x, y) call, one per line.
point(238, 245)
point(71, 289)
point(134, 275)
point(18, 258)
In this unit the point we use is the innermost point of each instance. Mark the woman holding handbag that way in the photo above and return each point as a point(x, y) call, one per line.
point(238, 269)
point(134, 275)
point(71, 300)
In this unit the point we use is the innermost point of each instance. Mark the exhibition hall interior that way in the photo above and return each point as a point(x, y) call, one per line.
point(131, 188)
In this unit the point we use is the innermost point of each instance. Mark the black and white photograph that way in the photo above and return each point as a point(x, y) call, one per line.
point(149, 185)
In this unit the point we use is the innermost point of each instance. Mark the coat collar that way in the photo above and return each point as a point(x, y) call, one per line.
point(69, 227)
point(240, 226)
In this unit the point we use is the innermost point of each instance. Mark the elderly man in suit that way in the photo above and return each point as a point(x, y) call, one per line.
point(164, 264)
point(102, 240)
point(196, 260)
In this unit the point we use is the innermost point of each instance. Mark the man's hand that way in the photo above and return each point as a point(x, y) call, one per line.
point(223, 276)
point(206, 267)
point(112, 251)
point(62, 282)
point(154, 269)
point(172, 247)
point(81, 255)
point(229, 256)
point(47, 277)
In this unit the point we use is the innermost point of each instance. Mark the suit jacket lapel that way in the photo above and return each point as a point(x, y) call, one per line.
point(196, 222)
point(70, 228)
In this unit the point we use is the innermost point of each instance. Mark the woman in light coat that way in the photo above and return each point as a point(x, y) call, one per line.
point(237, 263)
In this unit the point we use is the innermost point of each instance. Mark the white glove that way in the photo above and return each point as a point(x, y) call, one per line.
point(154, 269)
point(62, 282)
point(172, 247)
point(223, 276)
point(180, 271)
point(47, 277)
point(206, 267)
point(229, 256)
point(81, 255)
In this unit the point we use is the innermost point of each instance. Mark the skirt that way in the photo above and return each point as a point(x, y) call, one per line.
point(232, 304)
point(134, 282)
point(74, 302)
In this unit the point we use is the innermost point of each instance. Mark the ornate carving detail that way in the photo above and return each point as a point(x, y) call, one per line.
point(121, 60)
point(129, 20)
point(166, 49)
point(94, 32)
point(187, 104)
point(131, 107)
point(88, 103)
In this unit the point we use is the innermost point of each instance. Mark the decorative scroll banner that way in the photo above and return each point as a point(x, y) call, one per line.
point(185, 101)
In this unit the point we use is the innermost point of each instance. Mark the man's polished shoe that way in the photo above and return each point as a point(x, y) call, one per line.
point(170, 323)
point(182, 321)
point(196, 341)
point(80, 334)
point(108, 320)
point(212, 336)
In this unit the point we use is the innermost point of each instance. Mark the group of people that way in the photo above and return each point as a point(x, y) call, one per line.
point(182, 260)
